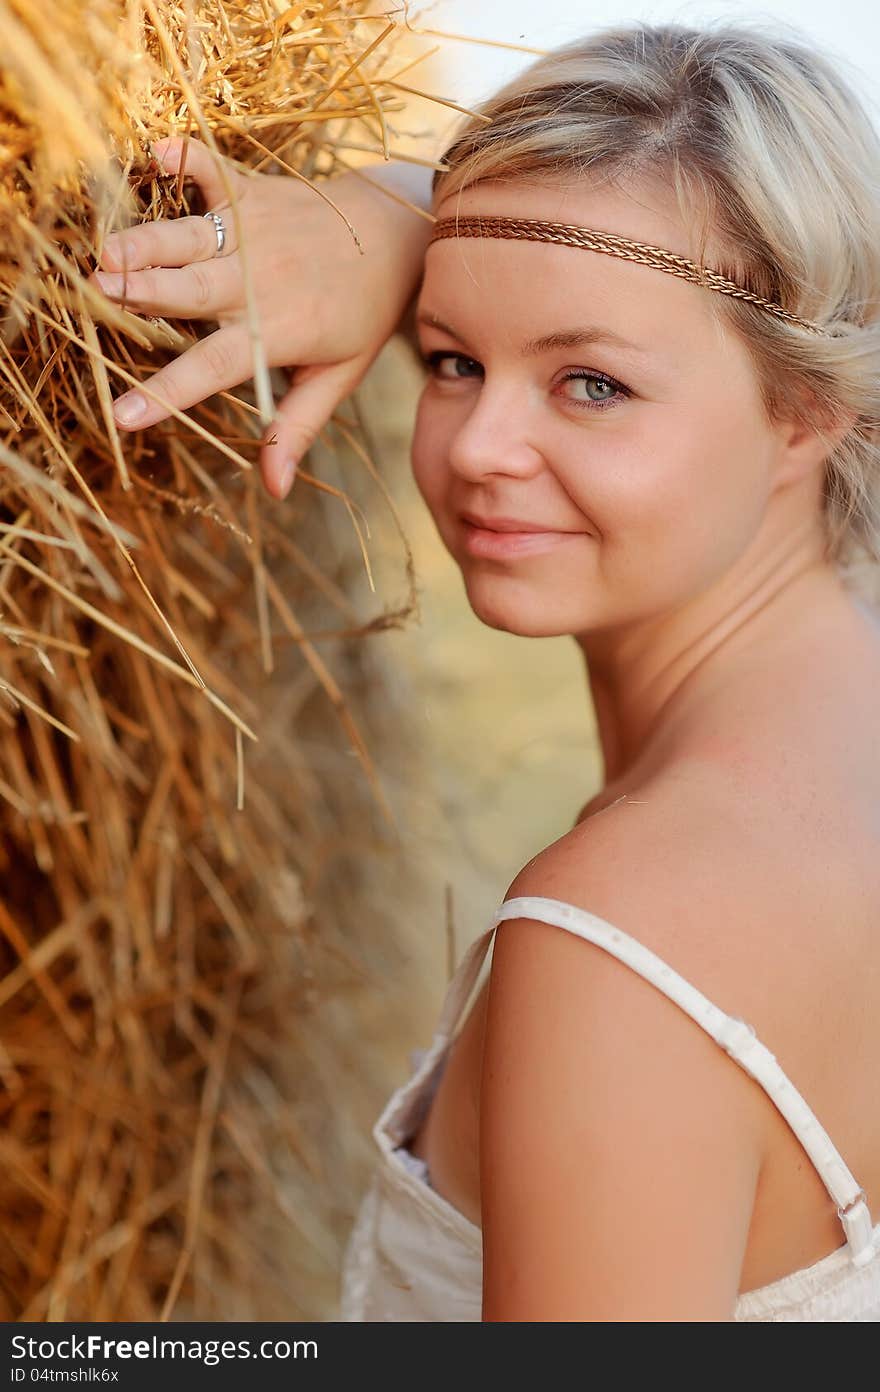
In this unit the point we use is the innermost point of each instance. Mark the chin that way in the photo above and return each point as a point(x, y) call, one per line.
point(529, 619)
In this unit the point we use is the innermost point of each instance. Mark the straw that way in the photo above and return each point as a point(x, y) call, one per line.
point(171, 739)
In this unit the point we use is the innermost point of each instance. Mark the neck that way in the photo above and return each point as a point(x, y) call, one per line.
point(654, 675)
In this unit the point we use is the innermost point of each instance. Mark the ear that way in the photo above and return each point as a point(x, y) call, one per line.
point(807, 437)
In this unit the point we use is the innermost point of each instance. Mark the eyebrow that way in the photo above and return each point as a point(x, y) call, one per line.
point(548, 343)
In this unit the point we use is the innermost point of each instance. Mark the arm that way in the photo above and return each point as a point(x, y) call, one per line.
point(619, 1146)
point(413, 183)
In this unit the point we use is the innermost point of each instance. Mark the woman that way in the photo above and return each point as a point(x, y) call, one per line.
point(676, 469)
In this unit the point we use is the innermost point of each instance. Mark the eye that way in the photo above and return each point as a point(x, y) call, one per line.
point(433, 361)
point(609, 387)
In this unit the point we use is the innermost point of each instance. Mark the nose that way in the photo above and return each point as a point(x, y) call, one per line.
point(493, 437)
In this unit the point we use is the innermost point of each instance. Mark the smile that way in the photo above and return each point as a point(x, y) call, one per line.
point(480, 541)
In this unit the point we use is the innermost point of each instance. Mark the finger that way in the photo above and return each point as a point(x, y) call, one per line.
point(300, 415)
point(166, 242)
point(200, 291)
point(200, 165)
point(216, 363)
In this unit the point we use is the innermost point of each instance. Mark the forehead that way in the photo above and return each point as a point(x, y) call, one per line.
point(516, 280)
point(642, 208)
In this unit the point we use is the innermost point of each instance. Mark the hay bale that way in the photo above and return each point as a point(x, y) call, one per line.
point(180, 769)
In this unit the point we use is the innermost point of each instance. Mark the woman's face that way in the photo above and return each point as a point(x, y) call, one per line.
point(648, 463)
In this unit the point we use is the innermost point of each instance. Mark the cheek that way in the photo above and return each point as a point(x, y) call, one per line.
point(427, 454)
point(716, 485)
point(676, 497)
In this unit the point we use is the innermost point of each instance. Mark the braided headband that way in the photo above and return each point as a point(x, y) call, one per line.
point(533, 230)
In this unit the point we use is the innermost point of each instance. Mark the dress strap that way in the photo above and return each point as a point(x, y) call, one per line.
point(462, 982)
point(737, 1038)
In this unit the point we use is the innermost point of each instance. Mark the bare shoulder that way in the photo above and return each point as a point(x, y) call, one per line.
point(678, 870)
point(749, 883)
point(681, 864)
point(589, 1069)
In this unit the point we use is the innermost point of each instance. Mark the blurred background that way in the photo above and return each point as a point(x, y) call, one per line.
point(471, 70)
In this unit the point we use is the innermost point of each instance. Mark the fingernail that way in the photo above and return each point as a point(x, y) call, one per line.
point(111, 284)
point(287, 472)
point(129, 408)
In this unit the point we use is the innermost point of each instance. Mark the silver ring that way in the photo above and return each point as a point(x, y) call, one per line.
point(219, 229)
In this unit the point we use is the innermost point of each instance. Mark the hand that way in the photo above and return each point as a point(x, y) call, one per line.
point(325, 308)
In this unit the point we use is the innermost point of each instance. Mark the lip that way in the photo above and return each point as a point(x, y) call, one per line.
point(492, 544)
point(504, 524)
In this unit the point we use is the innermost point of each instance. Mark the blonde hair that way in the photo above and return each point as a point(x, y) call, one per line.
point(762, 139)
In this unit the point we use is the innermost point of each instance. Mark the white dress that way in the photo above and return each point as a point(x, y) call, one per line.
point(412, 1256)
